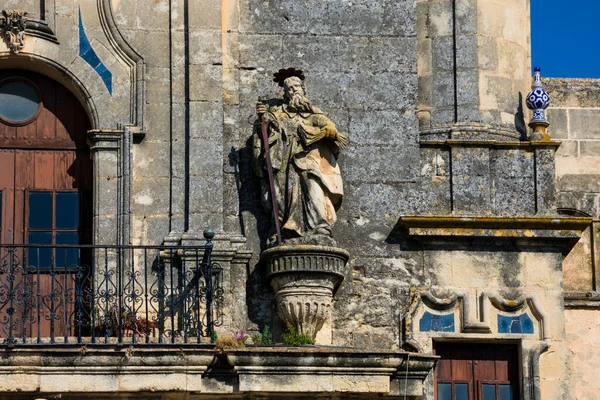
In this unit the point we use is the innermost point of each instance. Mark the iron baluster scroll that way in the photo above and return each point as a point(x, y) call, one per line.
point(57, 294)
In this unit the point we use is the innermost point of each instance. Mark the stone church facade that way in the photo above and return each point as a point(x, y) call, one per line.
point(138, 260)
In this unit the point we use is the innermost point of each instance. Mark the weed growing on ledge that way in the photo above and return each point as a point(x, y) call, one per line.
point(294, 338)
point(265, 337)
point(237, 341)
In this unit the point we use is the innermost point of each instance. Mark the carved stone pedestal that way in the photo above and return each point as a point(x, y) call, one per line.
point(305, 278)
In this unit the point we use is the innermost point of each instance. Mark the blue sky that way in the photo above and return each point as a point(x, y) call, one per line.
point(565, 38)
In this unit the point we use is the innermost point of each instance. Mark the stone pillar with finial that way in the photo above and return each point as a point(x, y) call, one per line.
point(538, 101)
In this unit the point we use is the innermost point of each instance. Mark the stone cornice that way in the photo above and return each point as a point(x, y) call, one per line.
point(582, 300)
point(456, 225)
point(105, 139)
point(493, 144)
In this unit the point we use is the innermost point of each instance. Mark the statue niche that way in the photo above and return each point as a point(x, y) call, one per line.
point(295, 156)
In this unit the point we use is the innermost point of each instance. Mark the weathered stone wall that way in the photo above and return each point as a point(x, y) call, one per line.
point(583, 345)
point(473, 61)
point(372, 66)
point(360, 62)
point(575, 116)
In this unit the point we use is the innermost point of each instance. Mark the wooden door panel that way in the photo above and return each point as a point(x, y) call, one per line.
point(50, 153)
point(46, 122)
point(44, 170)
point(484, 367)
point(53, 313)
point(27, 133)
point(24, 180)
point(65, 113)
point(462, 364)
point(477, 363)
point(66, 170)
point(7, 181)
point(7, 132)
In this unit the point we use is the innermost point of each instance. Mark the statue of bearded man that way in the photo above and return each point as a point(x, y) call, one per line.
point(304, 145)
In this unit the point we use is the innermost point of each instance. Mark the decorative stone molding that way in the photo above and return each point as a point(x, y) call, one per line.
point(287, 370)
point(12, 24)
point(469, 131)
point(582, 300)
point(458, 304)
point(305, 278)
point(79, 368)
point(512, 306)
point(172, 371)
point(135, 63)
point(107, 147)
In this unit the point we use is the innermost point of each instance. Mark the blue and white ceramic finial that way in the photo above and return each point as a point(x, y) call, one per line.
point(538, 100)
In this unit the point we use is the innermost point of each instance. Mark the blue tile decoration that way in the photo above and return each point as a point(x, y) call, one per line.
point(436, 323)
point(515, 324)
point(89, 55)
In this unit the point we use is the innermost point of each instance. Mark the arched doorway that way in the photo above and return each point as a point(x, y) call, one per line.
point(46, 199)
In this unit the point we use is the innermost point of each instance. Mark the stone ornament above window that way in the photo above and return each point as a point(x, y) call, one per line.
point(461, 315)
point(12, 26)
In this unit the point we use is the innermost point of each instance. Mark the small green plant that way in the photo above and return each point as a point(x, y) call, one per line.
point(294, 338)
point(264, 337)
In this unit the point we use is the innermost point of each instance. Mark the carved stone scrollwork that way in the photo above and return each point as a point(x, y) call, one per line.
point(305, 278)
point(12, 25)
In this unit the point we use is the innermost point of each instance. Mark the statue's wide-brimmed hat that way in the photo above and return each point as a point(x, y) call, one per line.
point(281, 75)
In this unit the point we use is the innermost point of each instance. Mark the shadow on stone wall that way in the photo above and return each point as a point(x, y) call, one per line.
point(254, 222)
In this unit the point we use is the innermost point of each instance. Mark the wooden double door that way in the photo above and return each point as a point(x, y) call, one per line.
point(46, 199)
point(477, 371)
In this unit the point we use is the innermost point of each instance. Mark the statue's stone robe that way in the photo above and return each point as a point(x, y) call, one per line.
point(308, 182)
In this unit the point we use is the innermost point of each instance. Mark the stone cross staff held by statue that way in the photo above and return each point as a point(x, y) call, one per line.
point(295, 151)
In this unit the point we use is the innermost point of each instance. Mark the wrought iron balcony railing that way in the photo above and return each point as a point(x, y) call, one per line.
point(108, 294)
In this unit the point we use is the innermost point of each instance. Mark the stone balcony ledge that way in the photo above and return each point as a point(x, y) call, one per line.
point(327, 370)
point(74, 370)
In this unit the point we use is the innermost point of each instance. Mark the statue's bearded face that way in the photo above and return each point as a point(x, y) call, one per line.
point(294, 95)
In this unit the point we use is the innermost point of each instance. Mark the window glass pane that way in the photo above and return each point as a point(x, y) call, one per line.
point(488, 392)
point(18, 101)
point(67, 210)
point(461, 391)
point(444, 391)
point(67, 257)
point(505, 392)
point(40, 257)
point(40, 210)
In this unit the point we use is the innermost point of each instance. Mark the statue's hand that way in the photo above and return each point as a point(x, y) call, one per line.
point(261, 108)
point(330, 132)
point(343, 140)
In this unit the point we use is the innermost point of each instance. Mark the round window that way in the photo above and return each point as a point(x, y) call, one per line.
point(19, 100)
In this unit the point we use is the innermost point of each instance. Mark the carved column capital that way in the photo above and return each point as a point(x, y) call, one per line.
point(12, 26)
